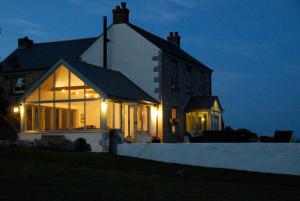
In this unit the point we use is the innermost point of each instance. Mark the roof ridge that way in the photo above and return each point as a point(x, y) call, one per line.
point(67, 40)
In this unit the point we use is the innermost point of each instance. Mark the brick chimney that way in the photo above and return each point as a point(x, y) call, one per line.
point(121, 14)
point(174, 38)
point(24, 43)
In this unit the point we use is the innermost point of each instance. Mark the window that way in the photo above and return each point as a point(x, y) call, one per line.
point(174, 120)
point(174, 75)
point(196, 121)
point(62, 102)
point(19, 85)
point(187, 81)
point(142, 118)
point(201, 85)
point(114, 113)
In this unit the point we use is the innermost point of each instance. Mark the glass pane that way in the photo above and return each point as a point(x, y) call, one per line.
point(93, 114)
point(139, 118)
point(77, 115)
point(145, 118)
point(117, 115)
point(47, 89)
point(110, 116)
point(91, 93)
point(34, 96)
point(31, 117)
point(77, 87)
point(61, 83)
point(61, 115)
point(46, 116)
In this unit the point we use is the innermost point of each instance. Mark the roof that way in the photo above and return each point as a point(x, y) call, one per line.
point(43, 55)
point(167, 46)
point(112, 82)
point(201, 102)
point(109, 83)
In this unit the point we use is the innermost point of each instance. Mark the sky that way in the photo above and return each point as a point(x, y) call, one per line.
point(253, 46)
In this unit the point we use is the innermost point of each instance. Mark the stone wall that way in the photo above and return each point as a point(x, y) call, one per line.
point(178, 97)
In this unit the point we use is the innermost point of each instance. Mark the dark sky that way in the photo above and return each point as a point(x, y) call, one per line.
point(252, 45)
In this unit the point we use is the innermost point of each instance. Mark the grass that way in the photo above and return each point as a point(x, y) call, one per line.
point(42, 175)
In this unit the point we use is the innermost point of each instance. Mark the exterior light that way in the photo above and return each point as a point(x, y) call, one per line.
point(154, 112)
point(203, 119)
point(103, 106)
point(16, 109)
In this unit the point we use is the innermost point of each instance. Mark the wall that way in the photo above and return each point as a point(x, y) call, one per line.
point(280, 158)
point(98, 141)
point(178, 97)
point(129, 53)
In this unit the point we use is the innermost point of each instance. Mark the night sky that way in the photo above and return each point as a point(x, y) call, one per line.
point(253, 46)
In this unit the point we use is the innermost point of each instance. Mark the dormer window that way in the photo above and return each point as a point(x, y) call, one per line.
point(174, 75)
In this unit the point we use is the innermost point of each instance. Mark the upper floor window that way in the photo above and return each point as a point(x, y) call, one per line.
point(19, 85)
point(201, 85)
point(187, 81)
point(174, 75)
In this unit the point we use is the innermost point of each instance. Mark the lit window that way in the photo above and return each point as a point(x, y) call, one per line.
point(174, 121)
point(114, 113)
point(143, 118)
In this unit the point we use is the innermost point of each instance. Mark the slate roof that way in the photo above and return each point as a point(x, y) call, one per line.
point(167, 46)
point(201, 102)
point(43, 55)
point(111, 82)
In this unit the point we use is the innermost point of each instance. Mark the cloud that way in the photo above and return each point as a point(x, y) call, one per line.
point(28, 27)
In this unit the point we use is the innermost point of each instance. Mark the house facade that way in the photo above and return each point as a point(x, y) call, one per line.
point(126, 79)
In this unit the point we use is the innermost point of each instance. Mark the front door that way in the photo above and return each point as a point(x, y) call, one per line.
point(129, 121)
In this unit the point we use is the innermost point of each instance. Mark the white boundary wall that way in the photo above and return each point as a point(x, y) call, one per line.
point(98, 141)
point(280, 158)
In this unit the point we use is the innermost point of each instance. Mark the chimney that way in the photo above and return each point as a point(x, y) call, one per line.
point(174, 38)
point(24, 43)
point(121, 14)
point(105, 42)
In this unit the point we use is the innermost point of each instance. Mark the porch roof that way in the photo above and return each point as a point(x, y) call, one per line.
point(201, 102)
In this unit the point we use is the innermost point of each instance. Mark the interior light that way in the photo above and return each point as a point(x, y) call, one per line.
point(16, 109)
point(63, 90)
point(87, 95)
point(203, 119)
point(77, 92)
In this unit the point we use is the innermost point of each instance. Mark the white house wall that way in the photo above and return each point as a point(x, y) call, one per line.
point(129, 53)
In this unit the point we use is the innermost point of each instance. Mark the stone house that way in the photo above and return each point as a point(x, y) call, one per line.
point(127, 79)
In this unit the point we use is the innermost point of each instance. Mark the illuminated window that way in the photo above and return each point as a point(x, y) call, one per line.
point(53, 107)
point(174, 121)
point(143, 118)
point(114, 113)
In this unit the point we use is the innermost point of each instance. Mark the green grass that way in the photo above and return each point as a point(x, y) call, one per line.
point(38, 175)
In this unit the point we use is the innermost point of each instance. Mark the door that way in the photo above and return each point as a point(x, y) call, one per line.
point(129, 121)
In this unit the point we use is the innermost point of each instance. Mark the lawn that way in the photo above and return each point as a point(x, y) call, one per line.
point(38, 175)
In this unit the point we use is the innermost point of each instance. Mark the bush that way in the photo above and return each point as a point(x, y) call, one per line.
point(7, 130)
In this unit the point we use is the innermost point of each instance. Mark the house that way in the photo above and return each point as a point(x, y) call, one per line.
point(127, 79)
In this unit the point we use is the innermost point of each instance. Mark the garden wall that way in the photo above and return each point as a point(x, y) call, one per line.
point(283, 158)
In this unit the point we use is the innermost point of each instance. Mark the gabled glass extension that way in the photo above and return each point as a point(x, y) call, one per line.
point(68, 99)
point(62, 102)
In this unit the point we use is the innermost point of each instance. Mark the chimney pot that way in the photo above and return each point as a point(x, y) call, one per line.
point(174, 38)
point(25, 43)
point(120, 14)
